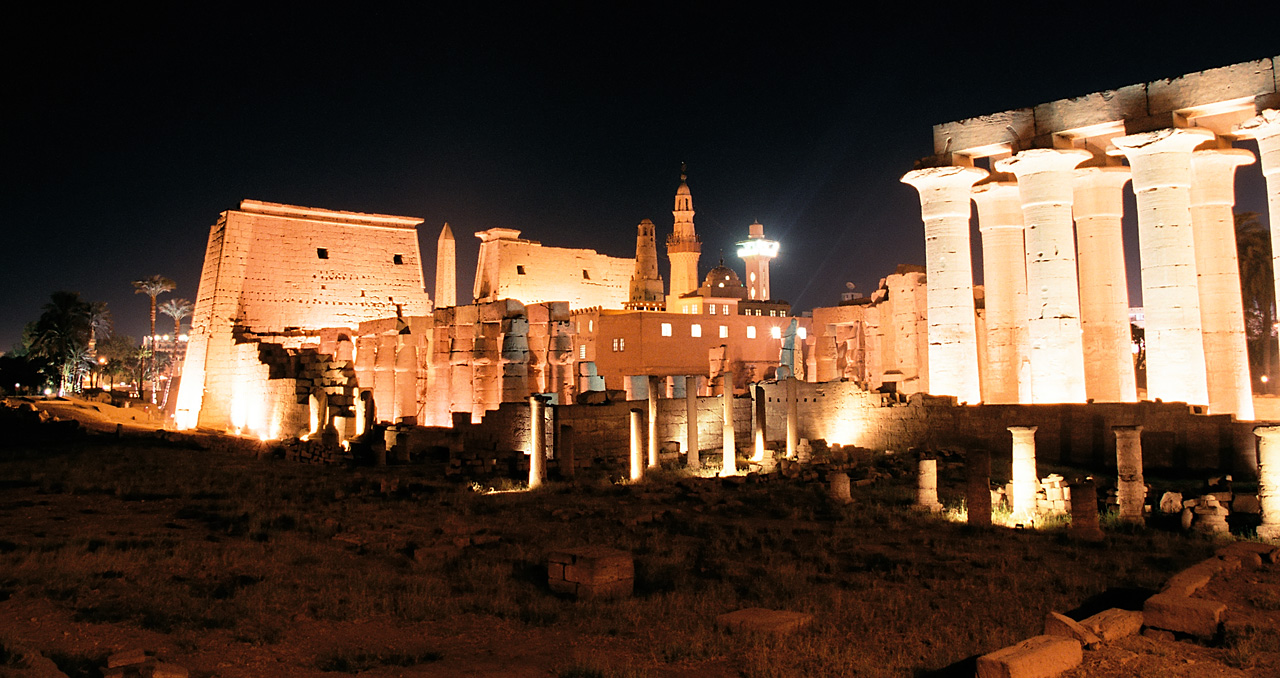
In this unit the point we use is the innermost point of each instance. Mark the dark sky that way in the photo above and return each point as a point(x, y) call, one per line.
point(126, 133)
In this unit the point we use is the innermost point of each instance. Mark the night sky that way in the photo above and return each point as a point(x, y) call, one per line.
point(126, 133)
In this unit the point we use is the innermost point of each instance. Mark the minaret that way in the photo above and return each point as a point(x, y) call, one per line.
point(757, 250)
point(683, 246)
point(446, 270)
point(646, 284)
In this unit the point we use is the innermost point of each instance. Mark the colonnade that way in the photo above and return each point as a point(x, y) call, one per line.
point(1056, 292)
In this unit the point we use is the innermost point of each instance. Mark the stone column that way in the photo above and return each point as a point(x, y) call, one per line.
point(730, 466)
point(653, 421)
point(1084, 511)
point(1025, 481)
point(1265, 129)
point(1161, 163)
point(757, 424)
point(1104, 287)
point(1269, 480)
point(927, 485)
point(537, 444)
point(1131, 489)
point(1056, 352)
point(637, 446)
point(691, 422)
point(978, 487)
point(1004, 279)
point(793, 418)
point(1213, 196)
point(953, 342)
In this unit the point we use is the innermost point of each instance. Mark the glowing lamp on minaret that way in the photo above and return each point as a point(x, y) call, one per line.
point(756, 251)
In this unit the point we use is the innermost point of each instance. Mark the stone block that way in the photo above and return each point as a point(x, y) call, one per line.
point(1267, 552)
point(1173, 612)
point(1114, 624)
point(1035, 657)
point(163, 670)
point(591, 572)
point(126, 657)
point(1171, 502)
point(1246, 503)
point(1061, 625)
point(764, 621)
point(1189, 580)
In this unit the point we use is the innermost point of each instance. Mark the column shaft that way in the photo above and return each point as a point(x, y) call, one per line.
point(1213, 196)
point(1269, 480)
point(757, 424)
point(1131, 488)
point(1004, 279)
point(1045, 178)
point(1025, 481)
point(653, 422)
point(793, 417)
point(537, 444)
point(1161, 163)
point(730, 466)
point(692, 459)
point(1104, 287)
point(953, 342)
point(637, 446)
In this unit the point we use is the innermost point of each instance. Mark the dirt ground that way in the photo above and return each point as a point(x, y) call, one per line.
point(131, 534)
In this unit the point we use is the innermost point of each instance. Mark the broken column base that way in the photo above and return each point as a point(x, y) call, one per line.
point(591, 572)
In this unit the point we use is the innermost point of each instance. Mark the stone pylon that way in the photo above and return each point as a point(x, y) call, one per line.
point(446, 269)
point(953, 341)
point(1161, 165)
point(1045, 178)
point(646, 283)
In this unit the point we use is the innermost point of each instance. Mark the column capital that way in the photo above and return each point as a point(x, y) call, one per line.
point(1265, 124)
point(1110, 176)
point(999, 205)
point(1213, 171)
point(1223, 157)
point(1126, 430)
point(945, 176)
point(1036, 160)
point(1169, 140)
point(1267, 432)
point(1032, 429)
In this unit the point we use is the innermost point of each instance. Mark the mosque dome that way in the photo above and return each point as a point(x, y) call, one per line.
point(722, 281)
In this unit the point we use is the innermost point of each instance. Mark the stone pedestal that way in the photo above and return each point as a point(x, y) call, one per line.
point(1218, 271)
point(730, 452)
point(953, 344)
point(637, 445)
point(927, 485)
point(1161, 164)
point(1104, 288)
point(1045, 178)
point(692, 459)
point(1269, 480)
point(1004, 281)
point(537, 444)
point(1084, 511)
point(978, 487)
point(1025, 481)
point(1131, 488)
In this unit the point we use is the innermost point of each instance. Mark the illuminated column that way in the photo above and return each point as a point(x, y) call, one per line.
point(953, 342)
point(1131, 490)
point(1055, 349)
point(1265, 129)
point(691, 422)
point(537, 443)
point(927, 485)
point(1024, 471)
point(730, 466)
point(1004, 278)
point(1269, 480)
point(1213, 196)
point(653, 422)
point(1161, 163)
point(1104, 287)
point(757, 424)
point(637, 448)
point(793, 418)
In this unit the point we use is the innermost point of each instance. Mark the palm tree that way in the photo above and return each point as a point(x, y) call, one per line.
point(153, 287)
point(61, 335)
point(1257, 289)
point(99, 323)
point(176, 309)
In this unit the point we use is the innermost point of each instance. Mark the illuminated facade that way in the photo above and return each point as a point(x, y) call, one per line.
point(1055, 284)
point(757, 251)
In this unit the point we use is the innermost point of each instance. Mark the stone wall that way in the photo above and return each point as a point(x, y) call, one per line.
point(512, 268)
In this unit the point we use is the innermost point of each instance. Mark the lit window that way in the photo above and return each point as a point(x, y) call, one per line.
point(591, 326)
point(775, 332)
point(725, 309)
point(721, 285)
point(666, 329)
point(582, 352)
point(615, 345)
point(724, 331)
point(753, 293)
point(751, 331)
point(753, 276)
point(802, 332)
point(773, 313)
point(695, 330)
point(622, 344)
point(711, 309)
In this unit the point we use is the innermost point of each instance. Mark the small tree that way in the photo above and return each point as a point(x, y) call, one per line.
point(176, 309)
point(153, 287)
point(61, 336)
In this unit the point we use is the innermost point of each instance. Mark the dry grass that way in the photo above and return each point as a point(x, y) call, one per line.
point(188, 542)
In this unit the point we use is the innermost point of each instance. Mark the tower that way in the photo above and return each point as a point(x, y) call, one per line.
point(756, 251)
point(683, 245)
point(646, 284)
point(446, 270)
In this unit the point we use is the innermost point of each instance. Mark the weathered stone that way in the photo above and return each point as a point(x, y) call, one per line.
point(764, 621)
point(591, 572)
point(1056, 624)
point(126, 657)
point(1189, 580)
point(1246, 503)
point(1249, 559)
point(1268, 552)
point(1084, 512)
point(1114, 624)
point(1171, 502)
point(163, 670)
point(838, 488)
point(1035, 657)
point(1173, 612)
